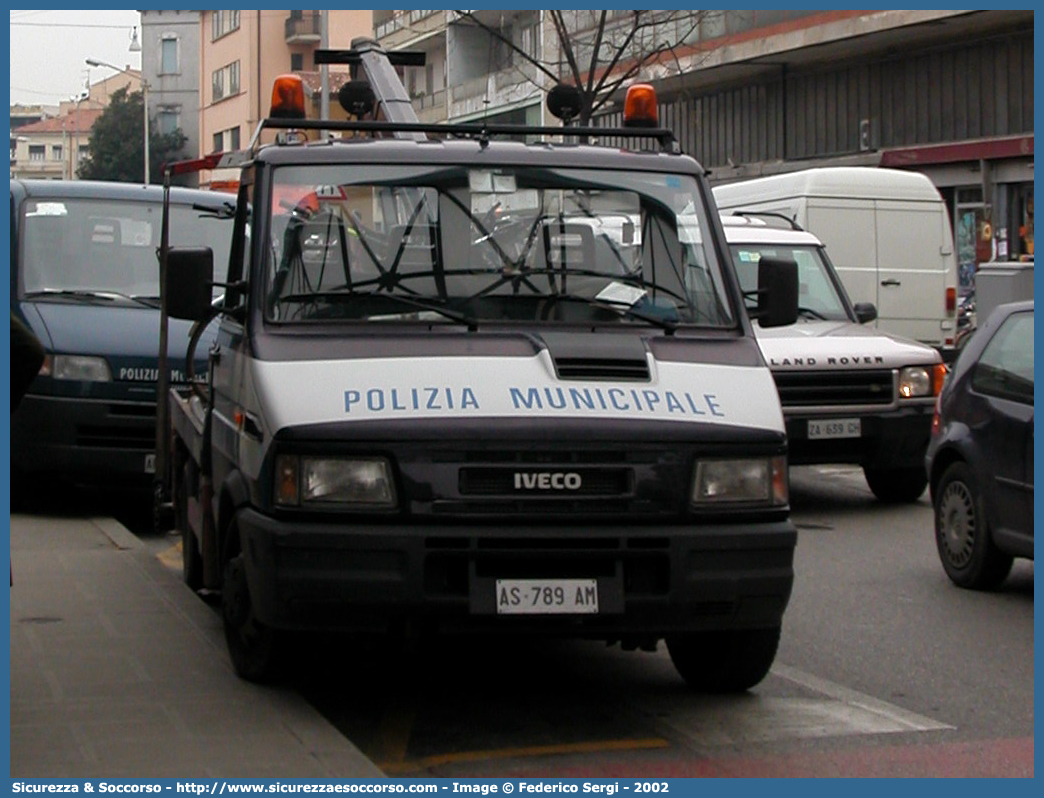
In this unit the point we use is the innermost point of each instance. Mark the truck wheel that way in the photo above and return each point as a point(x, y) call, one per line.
point(894, 485)
point(969, 556)
point(252, 645)
point(728, 661)
point(191, 559)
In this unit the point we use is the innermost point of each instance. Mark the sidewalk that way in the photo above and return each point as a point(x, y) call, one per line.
point(119, 671)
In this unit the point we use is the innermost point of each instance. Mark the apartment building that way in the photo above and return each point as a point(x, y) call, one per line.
point(470, 71)
point(242, 52)
point(748, 93)
point(52, 146)
point(170, 67)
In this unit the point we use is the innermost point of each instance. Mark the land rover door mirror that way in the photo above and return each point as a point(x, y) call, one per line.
point(190, 282)
point(865, 311)
point(777, 292)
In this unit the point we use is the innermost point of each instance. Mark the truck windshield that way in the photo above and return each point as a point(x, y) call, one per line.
point(409, 243)
point(108, 249)
point(818, 293)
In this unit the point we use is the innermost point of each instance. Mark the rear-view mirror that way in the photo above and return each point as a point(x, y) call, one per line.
point(190, 278)
point(777, 292)
point(865, 311)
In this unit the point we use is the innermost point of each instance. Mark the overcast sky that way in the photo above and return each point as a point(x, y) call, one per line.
point(48, 49)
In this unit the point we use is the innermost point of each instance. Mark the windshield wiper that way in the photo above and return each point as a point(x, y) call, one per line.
point(626, 309)
point(815, 314)
point(226, 210)
point(72, 293)
point(342, 296)
point(89, 295)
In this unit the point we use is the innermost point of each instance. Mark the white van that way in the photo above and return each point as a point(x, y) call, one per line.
point(888, 234)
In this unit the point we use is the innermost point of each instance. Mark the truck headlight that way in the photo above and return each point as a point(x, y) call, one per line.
point(76, 367)
point(915, 381)
point(750, 480)
point(357, 483)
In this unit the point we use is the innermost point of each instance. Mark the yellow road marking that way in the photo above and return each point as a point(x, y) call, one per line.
point(591, 747)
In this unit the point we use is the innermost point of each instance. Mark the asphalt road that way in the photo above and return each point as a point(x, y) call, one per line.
point(884, 669)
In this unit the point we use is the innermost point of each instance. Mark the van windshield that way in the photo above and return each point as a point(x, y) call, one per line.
point(409, 243)
point(108, 249)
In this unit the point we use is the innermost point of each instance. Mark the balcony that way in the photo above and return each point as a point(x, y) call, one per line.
point(505, 88)
point(431, 107)
point(407, 28)
point(303, 27)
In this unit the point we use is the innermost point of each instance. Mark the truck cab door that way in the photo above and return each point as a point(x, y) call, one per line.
point(228, 358)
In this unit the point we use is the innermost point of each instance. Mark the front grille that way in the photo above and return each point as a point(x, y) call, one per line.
point(133, 426)
point(114, 437)
point(830, 388)
point(602, 369)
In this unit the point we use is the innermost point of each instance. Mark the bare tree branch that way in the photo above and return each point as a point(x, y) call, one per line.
point(566, 46)
point(620, 48)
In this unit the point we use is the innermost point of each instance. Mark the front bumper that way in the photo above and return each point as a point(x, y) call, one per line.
point(652, 580)
point(895, 439)
point(86, 440)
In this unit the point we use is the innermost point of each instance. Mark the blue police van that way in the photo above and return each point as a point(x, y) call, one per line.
point(85, 280)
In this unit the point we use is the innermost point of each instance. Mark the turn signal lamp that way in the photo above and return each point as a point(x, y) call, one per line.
point(288, 98)
point(286, 482)
point(951, 301)
point(640, 106)
point(939, 377)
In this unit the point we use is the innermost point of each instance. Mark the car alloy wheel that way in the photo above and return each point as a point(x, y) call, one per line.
point(957, 523)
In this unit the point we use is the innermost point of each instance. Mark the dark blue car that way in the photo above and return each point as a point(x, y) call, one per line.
point(980, 459)
point(85, 279)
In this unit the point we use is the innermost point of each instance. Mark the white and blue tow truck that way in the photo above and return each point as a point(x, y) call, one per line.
point(482, 379)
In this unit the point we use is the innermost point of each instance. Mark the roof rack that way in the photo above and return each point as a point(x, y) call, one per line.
point(482, 132)
point(771, 215)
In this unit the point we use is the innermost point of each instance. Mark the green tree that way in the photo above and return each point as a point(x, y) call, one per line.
point(115, 149)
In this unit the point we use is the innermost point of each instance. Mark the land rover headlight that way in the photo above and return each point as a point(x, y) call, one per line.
point(915, 381)
point(749, 480)
point(326, 481)
point(81, 368)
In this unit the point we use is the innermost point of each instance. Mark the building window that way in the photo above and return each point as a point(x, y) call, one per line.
point(218, 142)
point(56, 152)
point(233, 138)
point(225, 81)
point(37, 152)
point(14, 148)
point(528, 39)
point(168, 120)
point(223, 22)
point(168, 54)
point(84, 152)
point(296, 62)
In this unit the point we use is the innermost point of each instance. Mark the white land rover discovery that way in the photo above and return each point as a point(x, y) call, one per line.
point(850, 394)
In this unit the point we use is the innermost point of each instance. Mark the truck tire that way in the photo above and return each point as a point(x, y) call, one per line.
point(896, 485)
point(728, 661)
point(191, 559)
point(253, 646)
point(969, 556)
